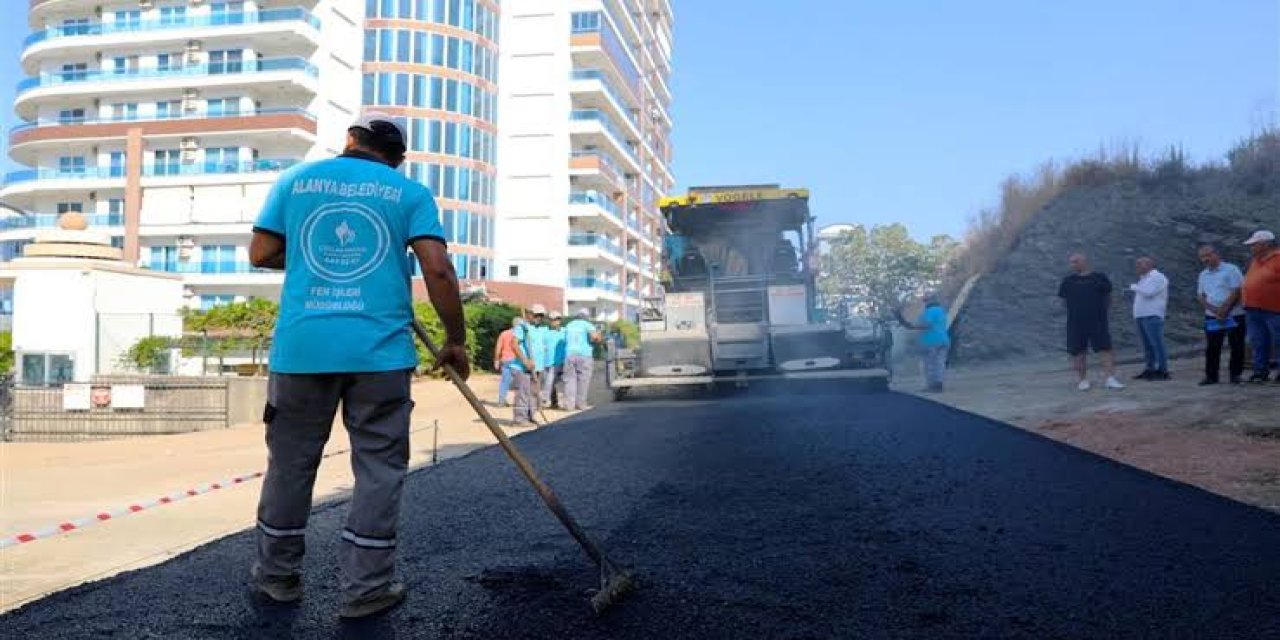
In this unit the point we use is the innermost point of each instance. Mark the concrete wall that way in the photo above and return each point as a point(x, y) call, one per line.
point(246, 398)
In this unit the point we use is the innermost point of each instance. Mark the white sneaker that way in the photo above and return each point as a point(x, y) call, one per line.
point(1112, 383)
point(1084, 385)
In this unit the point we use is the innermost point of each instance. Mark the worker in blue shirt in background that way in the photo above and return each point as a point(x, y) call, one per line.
point(935, 341)
point(523, 369)
point(553, 375)
point(579, 336)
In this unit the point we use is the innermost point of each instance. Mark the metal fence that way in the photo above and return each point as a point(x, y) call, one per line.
point(113, 407)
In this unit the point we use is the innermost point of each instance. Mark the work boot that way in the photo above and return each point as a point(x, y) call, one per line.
point(1207, 381)
point(1160, 376)
point(375, 604)
point(1259, 378)
point(1145, 375)
point(284, 590)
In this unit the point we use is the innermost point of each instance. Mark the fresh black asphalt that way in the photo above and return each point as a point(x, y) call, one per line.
point(810, 516)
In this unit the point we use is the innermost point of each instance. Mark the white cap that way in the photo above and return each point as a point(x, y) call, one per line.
point(1261, 236)
point(380, 123)
point(538, 310)
point(584, 313)
point(554, 315)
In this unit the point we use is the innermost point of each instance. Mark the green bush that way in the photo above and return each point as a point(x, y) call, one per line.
point(148, 355)
point(6, 352)
point(426, 314)
point(485, 321)
point(629, 331)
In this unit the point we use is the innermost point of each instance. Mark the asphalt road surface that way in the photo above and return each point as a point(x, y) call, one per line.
point(813, 516)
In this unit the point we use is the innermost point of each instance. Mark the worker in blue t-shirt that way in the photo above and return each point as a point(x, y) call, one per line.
point(935, 341)
point(579, 336)
point(523, 370)
point(338, 228)
point(553, 374)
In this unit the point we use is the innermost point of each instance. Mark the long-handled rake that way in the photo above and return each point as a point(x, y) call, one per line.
point(615, 581)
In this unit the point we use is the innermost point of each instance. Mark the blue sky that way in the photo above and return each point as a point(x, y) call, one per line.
point(914, 110)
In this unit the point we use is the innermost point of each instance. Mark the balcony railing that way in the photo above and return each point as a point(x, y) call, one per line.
point(585, 22)
point(50, 221)
point(138, 26)
point(598, 199)
point(212, 69)
point(603, 118)
point(593, 283)
point(152, 170)
point(591, 239)
point(202, 267)
point(596, 74)
point(71, 122)
point(610, 165)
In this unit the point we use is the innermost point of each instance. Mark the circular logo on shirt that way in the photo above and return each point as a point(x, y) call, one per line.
point(344, 241)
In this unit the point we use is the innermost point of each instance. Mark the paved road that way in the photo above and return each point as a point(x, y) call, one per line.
point(819, 516)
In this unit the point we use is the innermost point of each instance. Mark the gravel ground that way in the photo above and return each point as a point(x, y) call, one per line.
point(814, 516)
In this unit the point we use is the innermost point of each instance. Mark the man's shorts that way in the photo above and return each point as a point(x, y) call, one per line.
point(1083, 335)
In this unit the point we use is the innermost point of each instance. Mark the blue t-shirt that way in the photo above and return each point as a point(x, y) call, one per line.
point(935, 334)
point(522, 334)
point(538, 338)
point(577, 338)
point(555, 346)
point(346, 304)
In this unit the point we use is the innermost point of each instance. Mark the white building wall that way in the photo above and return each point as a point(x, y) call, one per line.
point(533, 143)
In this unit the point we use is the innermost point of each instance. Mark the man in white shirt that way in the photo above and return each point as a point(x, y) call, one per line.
point(1224, 319)
point(1150, 302)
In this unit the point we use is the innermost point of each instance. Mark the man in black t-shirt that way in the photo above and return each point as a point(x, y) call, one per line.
point(1087, 296)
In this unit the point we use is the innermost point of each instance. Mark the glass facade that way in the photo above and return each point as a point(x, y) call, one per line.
point(442, 84)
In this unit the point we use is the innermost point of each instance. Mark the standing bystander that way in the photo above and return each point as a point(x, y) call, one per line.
point(1218, 290)
point(1087, 296)
point(1261, 293)
point(504, 352)
point(1150, 304)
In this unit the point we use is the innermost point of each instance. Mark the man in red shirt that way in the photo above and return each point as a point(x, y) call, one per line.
point(1261, 293)
point(504, 351)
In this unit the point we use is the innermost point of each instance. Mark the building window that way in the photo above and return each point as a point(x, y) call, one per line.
point(72, 165)
point(218, 259)
point(386, 45)
point(71, 116)
point(115, 212)
point(222, 159)
point(230, 12)
point(168, 61)
point(75, 27)
point(129, 19)
point(115, 168)
point(172, 15)
point(68, 207)
point(47, 369)
point(168, 109)
point(164, 259)
point(447, 223)
point(124, 111)
point(167, 162)
point(229, 61)
point(224, 107)
point(74, 72)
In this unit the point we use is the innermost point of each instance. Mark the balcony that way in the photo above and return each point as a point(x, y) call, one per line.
point(276, 23)
point(590, 246)
point(597, 124)
point(594, 43)
point(273, 121)
point(599, 168)
point(277, 71)
point(222, 267)
point(50, 221)
point(598, 200)
point(592, 289)
point(588, 77)
point(91, 178)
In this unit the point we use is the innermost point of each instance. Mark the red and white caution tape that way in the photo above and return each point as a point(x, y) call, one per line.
point(73, 525)
point(66, 527)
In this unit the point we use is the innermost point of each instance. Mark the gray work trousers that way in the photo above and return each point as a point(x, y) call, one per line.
point(299, 416)
point(552, 379)
point(526, 398)
point(577, 381)
point(935, 366)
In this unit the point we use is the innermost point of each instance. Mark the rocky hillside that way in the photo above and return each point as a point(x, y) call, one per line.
point(1013, 311)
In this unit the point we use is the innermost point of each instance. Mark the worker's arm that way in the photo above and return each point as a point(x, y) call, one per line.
point(266, 250)
point(1151, 287)
point(442, 287)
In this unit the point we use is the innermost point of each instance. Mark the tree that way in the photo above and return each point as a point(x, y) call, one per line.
point(148, 355)
point(877, 269)
point(252, 321)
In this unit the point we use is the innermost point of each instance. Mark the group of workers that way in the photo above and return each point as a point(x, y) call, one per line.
point(547, 362)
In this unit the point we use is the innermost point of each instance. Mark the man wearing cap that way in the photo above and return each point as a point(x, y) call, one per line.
point(340, 228)
point(522, 371)
point(579, 336)
point(553, 375)
point(1261, 294)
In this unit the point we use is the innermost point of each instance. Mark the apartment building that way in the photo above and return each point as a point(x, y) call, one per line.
point(584, 148)
point(165, 122)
